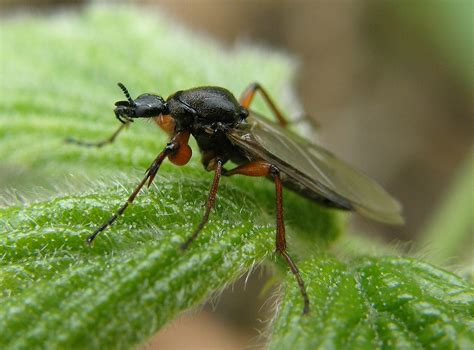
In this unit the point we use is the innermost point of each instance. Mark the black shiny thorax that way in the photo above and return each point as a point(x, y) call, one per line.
point(205, 107)
point(208, 112)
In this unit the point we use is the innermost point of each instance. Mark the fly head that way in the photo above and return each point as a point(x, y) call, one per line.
point(144, 106)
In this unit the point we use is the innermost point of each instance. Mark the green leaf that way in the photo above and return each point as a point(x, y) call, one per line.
point(61, 294)
point(58, 80)
point(376, 303)
point(55, 291)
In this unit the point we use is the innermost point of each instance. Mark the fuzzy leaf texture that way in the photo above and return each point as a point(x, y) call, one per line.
point(58, 79)
point(377, 303)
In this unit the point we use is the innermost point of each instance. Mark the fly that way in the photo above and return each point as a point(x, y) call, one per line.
point(225, 130)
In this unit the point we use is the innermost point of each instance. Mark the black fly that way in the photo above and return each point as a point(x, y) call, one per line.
point(226, 130)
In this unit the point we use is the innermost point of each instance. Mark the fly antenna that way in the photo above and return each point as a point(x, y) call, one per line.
point(127, 95)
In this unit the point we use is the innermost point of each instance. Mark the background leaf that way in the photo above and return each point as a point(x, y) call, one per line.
point(448, 234)
point(376, 303)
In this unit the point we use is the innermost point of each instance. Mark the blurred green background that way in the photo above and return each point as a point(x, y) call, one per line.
point(389, 83)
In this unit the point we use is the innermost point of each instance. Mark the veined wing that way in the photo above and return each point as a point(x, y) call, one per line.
point(315, 169)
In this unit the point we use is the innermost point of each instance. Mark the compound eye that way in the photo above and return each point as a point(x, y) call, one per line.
point(147, 111)
point(122, 103)
point(142, 111)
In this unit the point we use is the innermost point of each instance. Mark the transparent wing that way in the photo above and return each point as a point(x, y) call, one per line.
point(315, 169)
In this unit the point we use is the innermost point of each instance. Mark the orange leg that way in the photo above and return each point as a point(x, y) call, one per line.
point(184, 153)
point(262, 168)
point(166, 123)
point(257, 168)
point(248, 95)
point(211, 198)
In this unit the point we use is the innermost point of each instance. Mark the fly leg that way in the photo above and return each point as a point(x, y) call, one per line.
point(99, 144)
point(262, 168)
point(178, 152)
point(211, 198)
point(248, 95)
